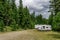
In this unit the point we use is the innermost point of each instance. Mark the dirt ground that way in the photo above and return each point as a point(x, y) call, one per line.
point(30, 35)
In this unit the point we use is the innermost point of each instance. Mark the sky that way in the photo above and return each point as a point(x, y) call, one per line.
point(39, 6)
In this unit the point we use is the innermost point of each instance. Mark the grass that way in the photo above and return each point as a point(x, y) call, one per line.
point(40, 35)
point(36, 35)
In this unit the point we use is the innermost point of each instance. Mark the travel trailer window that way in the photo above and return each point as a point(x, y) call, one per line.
point(43, 27)
point(46, 27)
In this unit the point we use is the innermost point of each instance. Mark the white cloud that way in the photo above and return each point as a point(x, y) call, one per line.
point(44, 0)
point(40, 6)
point(17, 2)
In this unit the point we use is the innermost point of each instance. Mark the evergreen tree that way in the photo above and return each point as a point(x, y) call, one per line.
point(39, 19)
point(13, 18)
point(6, 13)
point(2, 7)
point(33, 16)
point(55, 7)
point(33, 19)
point(44, 21)
point(1, 17)
point(27, 19)
point(20, 13)
point(50, 21)
point(13, 15)
point(1, 26)
point(56, 22)
point(14, 9)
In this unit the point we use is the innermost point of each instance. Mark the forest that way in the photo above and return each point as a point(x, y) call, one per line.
point(13, 18)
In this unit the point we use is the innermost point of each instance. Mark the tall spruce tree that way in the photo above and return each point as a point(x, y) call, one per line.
point(20, 13)
point(39, 19)
point(1, 16)
point(14, 9)
point(56, 22)
point(50, 21)
point(13, 15)
point(55, 6)
point(27, 18)
point(6, 13)
point(33, 19)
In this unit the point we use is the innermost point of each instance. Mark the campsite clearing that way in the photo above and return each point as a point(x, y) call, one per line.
point(30, 35)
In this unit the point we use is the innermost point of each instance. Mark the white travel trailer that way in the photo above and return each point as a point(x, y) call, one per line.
point(43, 27)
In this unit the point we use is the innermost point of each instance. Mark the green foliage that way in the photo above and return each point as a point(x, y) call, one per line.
point(40, 20)
point(1, 26)
point(54, 19)
point(7, 29)
point(14, 18)
point(33, 19)
point(56, 22)
point(50, 21)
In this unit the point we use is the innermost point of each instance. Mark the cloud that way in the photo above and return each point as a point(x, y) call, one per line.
point(39, 6)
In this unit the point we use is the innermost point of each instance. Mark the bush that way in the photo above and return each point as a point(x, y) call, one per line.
point(56, 22)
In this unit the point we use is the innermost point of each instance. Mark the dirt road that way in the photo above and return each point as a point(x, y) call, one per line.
point(12, 35)
point(30, 35)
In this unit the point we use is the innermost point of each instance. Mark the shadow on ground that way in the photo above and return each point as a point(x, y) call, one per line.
point(55, 35)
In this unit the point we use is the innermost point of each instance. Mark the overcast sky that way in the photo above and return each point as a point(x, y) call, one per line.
point(39, 6)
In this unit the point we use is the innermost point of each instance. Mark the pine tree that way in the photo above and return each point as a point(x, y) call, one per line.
point(55, 7)
point(20, 13)
point(56, 22)
point(50, 21)
point(33, 19)
point(39, 19)
point(2, 3)
point(1, 26)
point(1, 10)
point(33, 16)
point(26, 18)
point(6, 13)
point(13, 15)
point(14, 9)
